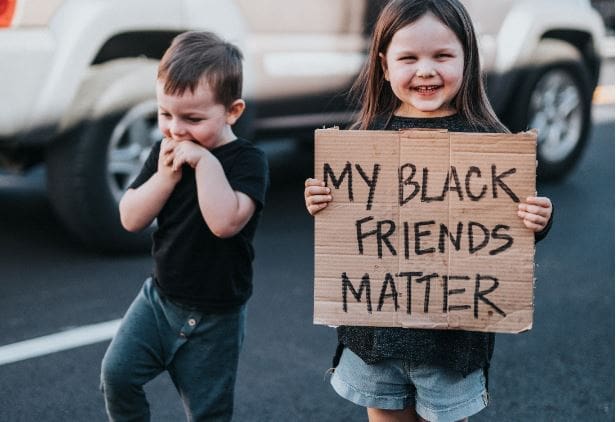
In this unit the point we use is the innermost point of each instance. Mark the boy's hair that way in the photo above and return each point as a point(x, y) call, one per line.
point(193, 56)
point(377, 99)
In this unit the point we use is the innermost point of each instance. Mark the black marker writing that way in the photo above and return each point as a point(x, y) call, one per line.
point(365, 285)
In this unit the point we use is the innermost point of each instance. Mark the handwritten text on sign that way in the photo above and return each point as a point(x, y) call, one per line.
point(423, 230)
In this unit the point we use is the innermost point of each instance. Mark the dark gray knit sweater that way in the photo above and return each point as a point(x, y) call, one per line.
point(462, 351)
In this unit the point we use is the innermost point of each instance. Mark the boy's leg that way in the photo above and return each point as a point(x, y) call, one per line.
point(205, 366)
point(132, 359)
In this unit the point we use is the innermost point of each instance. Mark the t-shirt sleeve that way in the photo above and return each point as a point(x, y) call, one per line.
point(250, 175)
point(149, 167)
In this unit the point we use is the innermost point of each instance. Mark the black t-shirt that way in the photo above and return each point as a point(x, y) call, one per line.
point(192, 266)
point(462, 351)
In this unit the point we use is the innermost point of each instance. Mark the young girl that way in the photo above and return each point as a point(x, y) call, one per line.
point(422, 71)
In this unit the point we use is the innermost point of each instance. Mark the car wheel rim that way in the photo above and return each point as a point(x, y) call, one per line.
point(556, 111)
point(130, 144)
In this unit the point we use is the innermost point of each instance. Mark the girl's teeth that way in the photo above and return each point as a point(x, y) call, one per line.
point(426, 88)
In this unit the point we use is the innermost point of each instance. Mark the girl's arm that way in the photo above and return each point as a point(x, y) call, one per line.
point(536, 212)
point(224, 210)
point(139, 207)
point(316, 195)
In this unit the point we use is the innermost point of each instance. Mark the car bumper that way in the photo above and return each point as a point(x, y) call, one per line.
point(26, 58)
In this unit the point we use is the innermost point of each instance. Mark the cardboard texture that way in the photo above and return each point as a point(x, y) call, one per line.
point(423, 230)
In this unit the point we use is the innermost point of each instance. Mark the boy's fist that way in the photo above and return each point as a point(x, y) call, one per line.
point(165, 159)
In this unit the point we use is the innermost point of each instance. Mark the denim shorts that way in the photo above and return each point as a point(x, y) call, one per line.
point(392, 384)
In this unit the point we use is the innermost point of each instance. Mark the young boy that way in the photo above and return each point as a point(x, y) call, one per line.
point(206, 189)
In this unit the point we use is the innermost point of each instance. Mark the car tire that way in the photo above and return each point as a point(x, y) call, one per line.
point(91, 165)
point(556, 96)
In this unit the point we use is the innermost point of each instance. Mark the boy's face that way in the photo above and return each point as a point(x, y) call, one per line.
point(196, 116)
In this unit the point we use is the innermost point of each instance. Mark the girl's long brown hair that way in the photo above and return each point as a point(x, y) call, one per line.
point(373, 93)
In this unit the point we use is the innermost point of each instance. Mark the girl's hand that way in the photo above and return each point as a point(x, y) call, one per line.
point(316, 195)
point(188, 152)
point(536, 212)
point(165, 160)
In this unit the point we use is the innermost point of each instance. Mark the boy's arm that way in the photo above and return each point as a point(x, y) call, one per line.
point(141, 205)
point(225, 211)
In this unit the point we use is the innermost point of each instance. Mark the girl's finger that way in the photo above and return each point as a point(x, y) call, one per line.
point(313, 182)
point(540, 201)
point(316, 190)
point(534, 209)
point(533, 218)
point(533, 226)
point(318, 199)
point(313, 209)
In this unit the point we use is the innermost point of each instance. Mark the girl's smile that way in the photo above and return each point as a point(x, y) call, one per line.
point(424, 64)
point(427, 90)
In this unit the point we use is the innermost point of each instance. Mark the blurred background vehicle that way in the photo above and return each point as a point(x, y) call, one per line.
point(78, 79)
point(606, 10)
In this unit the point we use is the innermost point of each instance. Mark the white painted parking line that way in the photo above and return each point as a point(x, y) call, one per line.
point(52, 343)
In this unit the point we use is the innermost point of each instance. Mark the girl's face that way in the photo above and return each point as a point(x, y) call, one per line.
point(424, 64)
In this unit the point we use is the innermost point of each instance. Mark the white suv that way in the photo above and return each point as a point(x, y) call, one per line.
point(77, 82)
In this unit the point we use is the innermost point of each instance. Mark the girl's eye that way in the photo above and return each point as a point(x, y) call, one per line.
point(443, 56)
point(164, 114)
point(408, 58)
point(194, 119)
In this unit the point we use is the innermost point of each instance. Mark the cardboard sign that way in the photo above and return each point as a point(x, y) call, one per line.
point(423, 230)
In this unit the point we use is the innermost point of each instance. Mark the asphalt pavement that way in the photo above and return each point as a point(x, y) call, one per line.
point(561, 370)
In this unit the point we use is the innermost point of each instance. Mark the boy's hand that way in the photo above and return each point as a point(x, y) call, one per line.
point(536, 212)
point(316, 195)
point(188, 152)
point(165, 160)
